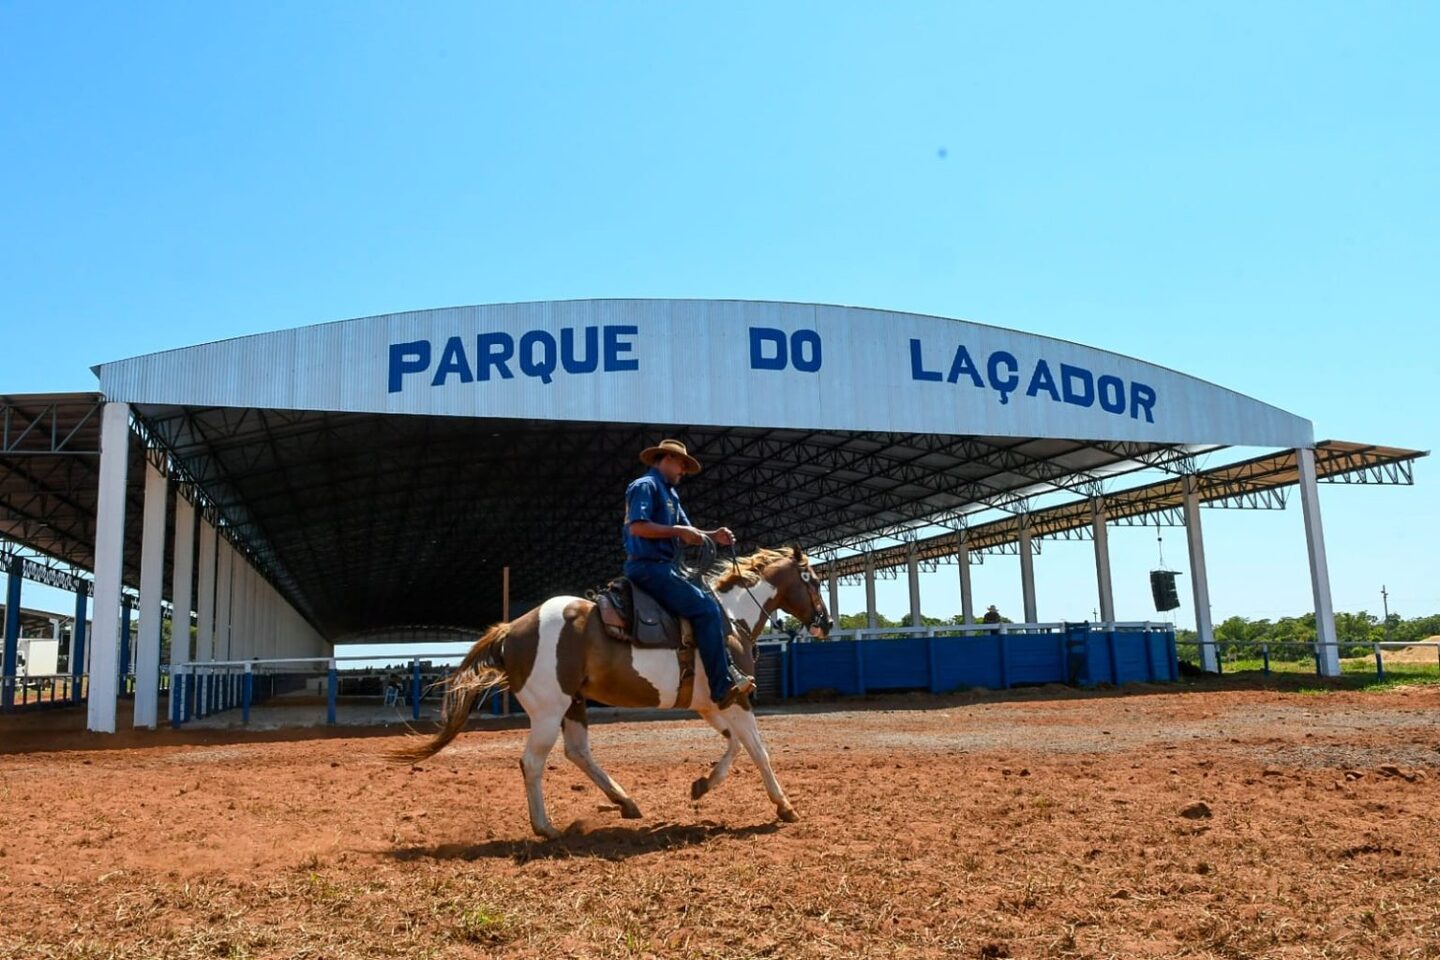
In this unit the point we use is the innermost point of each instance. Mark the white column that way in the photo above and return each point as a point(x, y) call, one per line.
point(152, 586)
point(1027, 571)
point(224, 572)
point(205, 603)
point(834, 587)
point(1199, 581)
point(182, 572)
point(1329, 654)
point(870, 620)
point(1101, 532)
point(104, 640)
point(967, 592)
point(912, 570)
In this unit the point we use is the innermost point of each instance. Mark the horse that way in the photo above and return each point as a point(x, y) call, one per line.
point(557, 656)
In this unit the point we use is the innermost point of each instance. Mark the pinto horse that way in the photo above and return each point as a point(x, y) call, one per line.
point(557, 656)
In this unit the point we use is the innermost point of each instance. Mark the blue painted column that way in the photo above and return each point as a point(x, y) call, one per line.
point(77, 644)
point(16, 571)
point(415, 689)
point(124, 643)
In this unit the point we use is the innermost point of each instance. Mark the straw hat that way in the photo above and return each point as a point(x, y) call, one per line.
point(649, 455)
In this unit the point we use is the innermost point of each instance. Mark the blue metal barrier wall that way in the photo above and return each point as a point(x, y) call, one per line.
point(1078, 655)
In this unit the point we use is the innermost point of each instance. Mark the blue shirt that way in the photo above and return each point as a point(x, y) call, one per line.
point(651, 498)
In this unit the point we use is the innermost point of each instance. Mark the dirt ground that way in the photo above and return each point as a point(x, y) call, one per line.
point(1046, 823)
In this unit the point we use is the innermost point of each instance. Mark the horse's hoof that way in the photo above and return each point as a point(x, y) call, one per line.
point(546, 831)
point(699, 788)
point(629, 811)
point(788, 814)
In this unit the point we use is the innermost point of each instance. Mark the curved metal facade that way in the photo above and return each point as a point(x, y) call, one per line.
point(709, 362)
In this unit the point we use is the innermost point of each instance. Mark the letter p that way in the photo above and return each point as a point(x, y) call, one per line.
point(406, 358)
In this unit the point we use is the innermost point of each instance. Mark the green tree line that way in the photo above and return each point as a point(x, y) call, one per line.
point(1244, 637)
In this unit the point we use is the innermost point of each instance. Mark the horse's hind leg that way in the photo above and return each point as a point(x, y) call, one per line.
point(577, 750)
point(742, 724)
point(543, 731)
point(721, 770)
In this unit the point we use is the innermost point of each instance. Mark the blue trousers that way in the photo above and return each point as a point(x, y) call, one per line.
point(685, 599)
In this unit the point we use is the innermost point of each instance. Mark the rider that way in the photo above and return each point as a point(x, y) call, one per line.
point(655, 524)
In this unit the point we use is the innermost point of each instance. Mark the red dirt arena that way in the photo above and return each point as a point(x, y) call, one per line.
point(1213, 820)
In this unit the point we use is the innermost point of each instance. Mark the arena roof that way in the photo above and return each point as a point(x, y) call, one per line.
point(382, 471)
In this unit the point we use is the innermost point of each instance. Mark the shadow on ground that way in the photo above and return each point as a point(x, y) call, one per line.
point(583, 839)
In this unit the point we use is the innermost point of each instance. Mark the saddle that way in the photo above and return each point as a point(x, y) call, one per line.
point(632, 616)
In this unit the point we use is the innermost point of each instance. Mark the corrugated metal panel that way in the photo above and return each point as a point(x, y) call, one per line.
point(709, 362)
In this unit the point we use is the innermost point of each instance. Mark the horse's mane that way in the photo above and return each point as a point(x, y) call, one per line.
point(724, 575)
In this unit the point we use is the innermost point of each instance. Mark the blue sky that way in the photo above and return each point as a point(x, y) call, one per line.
point(1245, 192)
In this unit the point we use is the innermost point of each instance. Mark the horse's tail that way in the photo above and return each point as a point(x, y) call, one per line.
point(479, 672)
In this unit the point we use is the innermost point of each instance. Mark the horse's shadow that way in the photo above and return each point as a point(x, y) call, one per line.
point(607, 843)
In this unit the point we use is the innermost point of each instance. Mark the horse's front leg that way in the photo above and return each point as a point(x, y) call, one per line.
point(721, 770)
point(742, 724)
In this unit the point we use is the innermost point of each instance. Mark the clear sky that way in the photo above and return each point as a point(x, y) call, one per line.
point(1244, 192)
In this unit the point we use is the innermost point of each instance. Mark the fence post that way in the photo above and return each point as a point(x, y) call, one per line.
point(331, 692)
point(930, 662)
point(1265, 653)
point(177, 699)
point(415, 688)
point(1379, 664)
point(860, 665)
point(247, 693)
point(1002, 638)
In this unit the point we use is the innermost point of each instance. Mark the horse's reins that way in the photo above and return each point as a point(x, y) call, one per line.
point(764, 614)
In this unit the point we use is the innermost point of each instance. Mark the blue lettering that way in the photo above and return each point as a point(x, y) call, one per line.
point(1003, 385)
point(413, 357)
point(1112, 394)
point(616, 349)
point(541, 365)
point(570, 361)
point(452, 360)
point(760, 358)
point(964, 365)
point(493, 350)
point(1142, 398)
point(799, 341)
point(1069, 378)
point(1041, 379)
point(917, 364)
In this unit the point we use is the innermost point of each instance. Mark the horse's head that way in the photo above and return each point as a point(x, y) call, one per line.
point(797, 592)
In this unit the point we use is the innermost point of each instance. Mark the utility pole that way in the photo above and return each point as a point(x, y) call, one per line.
point(1385, 601)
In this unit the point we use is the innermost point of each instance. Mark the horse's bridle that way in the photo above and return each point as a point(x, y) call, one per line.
point(820, 618)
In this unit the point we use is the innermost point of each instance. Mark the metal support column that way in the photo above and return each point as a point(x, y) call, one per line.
point(1199, 581)
point(15, 576)
point(152, 575)
point(1328, 655)
point(1100, 530)
point(109, 566)
point(870, 612)
point(912, 569)
point(834, 588)
point(967, 592)
point(183, 570)
point(224, 571)
point(1027, 572)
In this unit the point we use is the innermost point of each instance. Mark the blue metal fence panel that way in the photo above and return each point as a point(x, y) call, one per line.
point(1078, 655)
point(901, 664)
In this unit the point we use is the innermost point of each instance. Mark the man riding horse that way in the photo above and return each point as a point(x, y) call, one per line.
point(655, 526)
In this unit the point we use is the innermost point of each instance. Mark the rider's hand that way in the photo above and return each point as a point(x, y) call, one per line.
point(723, 536)
point(690, 535)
